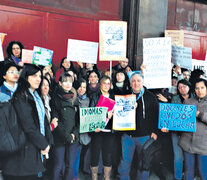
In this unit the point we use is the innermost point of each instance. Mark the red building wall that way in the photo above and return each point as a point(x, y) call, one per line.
point(45, 26)
point(191, 16)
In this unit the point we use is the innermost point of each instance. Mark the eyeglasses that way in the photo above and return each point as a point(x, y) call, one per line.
point(12, 72)
point(17, 48)
point(182, 87)
point(107, 84)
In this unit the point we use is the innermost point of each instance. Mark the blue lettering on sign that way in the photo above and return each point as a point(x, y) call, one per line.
point(177, 117)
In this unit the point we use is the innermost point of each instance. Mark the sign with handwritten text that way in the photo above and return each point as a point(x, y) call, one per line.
point(124, 114)
point(113, 40)
point(177, 37)
point(82, 51)
point(177, 117)
point(92, 118)
point(157, 59)
point(182, 56)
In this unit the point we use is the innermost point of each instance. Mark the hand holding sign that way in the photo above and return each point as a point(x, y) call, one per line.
point(177, 117)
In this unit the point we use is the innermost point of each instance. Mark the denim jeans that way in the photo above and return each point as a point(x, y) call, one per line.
point(190, 160)
point(77, 162)
point(178, 157)
point(129, 145)
point(63, 161)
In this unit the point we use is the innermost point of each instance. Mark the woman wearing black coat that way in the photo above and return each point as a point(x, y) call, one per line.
point(27, 164)
point(102, 140)
point(64, 105)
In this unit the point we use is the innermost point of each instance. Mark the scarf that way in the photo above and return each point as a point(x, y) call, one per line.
point(41, 114)
point(94, 89)
point(67, 95)
point(120, 84)
point(40, 110)
point(47, 106)
point(15, 59)
point(10, 88)
point(82, 96)
point(140, 94)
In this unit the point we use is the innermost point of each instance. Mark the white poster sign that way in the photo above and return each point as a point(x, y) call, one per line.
point(27, 56)
point(113, 40)
point(199, 64)
point(82, 51)
point(1, 52)
point(182, 56)
point(157, 58)
point(124, 113)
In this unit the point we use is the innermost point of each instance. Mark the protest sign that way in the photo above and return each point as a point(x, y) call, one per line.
point(106, 102)
point(182, 56)
point(199, 64)
point(27, 56)
point(124, 113)
point(157, 59)
point(1, 52)
point(113, 40)
point(42, 56)
point(92, 118)
point(177, 37)
point(2, 36)
point(177, 117)
point(82, 51)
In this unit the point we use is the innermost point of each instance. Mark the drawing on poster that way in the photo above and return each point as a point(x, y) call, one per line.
point(124, 114)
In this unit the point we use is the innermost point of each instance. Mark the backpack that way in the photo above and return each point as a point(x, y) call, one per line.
point(12, 137)
point(150, 149)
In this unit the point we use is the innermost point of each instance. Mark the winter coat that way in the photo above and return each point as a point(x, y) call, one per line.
point(196, 142)
point(121, 90)
point(146, 115)
point(65, 111)
point(28, 160)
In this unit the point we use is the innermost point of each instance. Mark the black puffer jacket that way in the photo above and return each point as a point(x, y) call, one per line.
point(28, 160)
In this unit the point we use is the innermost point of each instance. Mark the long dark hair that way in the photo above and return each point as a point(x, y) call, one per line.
point(195, 75)
point(9, 48)
point(71, 65)
point(126, 85)
point(23, 84)
point(40, 86)
point(93, 71)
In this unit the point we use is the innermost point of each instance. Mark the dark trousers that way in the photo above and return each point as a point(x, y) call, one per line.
point(101, 142)
point(63, 161)
point(21, 178)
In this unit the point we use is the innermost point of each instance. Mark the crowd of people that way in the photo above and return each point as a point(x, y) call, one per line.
point(47, 106)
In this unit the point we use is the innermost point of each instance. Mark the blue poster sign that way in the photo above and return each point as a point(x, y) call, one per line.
point(177, 117)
